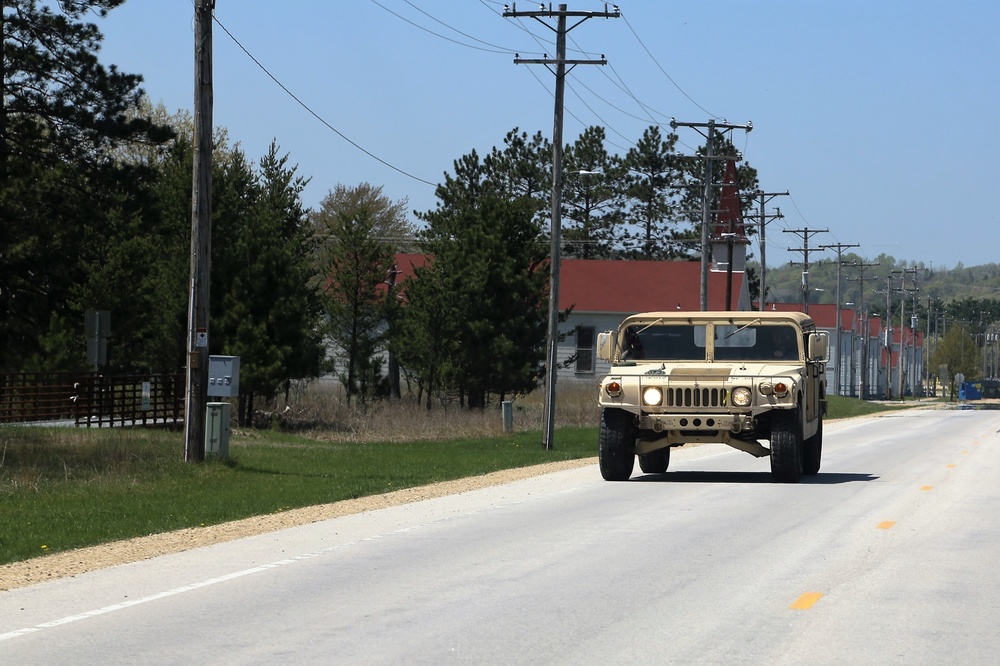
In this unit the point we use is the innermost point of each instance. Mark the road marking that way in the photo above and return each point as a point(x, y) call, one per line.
point(806, 601)
point(965, 453)
point(886, 524)
point(952, 466)
point(926, 487)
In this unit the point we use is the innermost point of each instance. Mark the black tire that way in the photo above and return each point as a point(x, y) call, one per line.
point(655, 462)
point(812, 452)
point(786, 446)
point(616, 450)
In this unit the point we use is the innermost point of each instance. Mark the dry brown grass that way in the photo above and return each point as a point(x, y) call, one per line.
point(322, 410)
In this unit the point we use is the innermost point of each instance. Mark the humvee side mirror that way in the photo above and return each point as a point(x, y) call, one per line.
point(606, 346)
point(818, 346)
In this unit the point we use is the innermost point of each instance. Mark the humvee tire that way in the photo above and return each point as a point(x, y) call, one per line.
point(786, 446)
point(655, 462)
point(812, 452)
point(616, 450)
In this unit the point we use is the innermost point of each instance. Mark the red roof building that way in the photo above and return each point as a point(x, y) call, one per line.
point(627, 287)
point(602, 292)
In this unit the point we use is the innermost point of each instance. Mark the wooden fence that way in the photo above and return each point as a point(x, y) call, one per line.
point(91, 400)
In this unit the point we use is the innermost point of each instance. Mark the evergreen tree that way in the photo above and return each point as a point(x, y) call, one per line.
point(425, 336)
point(651, 185)
point(474, 324)
point(591, 196)
point(263, 307)
point(59, 103)
point(522, 169)
point(61, 194)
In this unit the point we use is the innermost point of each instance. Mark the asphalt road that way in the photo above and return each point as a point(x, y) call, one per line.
point(891, 555)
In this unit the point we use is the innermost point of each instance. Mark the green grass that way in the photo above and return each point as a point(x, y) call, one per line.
point(67, 488)
point(63, 488)
point(842, 408)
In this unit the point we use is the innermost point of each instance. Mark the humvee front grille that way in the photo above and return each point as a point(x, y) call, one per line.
point(696, 397)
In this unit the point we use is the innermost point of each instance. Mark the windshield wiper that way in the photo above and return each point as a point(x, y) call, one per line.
point(648, 326)
point(743, 328)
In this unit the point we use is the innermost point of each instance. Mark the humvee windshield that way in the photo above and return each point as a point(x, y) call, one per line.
point(688, 343)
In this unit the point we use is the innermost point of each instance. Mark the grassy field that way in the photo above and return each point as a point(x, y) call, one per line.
point(64, 488)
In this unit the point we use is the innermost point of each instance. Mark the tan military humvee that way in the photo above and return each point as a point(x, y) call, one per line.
point(730, 377)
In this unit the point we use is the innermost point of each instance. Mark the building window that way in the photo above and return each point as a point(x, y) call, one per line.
point(585, 349)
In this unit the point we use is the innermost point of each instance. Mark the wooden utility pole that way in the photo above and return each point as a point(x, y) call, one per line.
point(888, 336)
point(196, 395)
point(839, 247)
point(903, 289)
point(764, 197)
point(560, 63)
point(391, 308)
point(706, 200)
point(805, 233)
point(864, 328)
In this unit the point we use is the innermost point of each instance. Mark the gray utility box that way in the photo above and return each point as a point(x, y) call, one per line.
point(217, 428)
point(223, 376)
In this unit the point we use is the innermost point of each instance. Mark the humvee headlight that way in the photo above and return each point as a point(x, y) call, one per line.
point(613, 388)
point(652, 396)
point(742, 396)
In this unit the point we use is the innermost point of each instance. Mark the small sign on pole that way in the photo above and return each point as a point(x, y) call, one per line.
point(97, 329)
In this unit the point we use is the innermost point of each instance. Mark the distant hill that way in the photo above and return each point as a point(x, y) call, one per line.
point(784, 283)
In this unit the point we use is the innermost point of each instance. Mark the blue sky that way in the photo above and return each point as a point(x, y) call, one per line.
point(878, 117)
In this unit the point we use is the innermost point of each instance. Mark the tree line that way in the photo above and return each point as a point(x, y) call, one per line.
point(956, 309)
point(95, 204)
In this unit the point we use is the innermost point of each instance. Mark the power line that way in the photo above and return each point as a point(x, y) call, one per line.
point(669, 78)
point(541, 42)
point(493, 48)
point(316, 115)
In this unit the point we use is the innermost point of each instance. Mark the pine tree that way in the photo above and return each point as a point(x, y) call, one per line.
point(474, 323)
point(263, 306)
point(61, 115)
point(592, 197)
point(651, 186)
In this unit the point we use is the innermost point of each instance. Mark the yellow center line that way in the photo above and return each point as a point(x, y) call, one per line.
point(926, 487)
point(952, 466)
point(885, 524)
point(806, 601)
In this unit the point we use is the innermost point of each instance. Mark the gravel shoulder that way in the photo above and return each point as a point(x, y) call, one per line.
point(82, 560)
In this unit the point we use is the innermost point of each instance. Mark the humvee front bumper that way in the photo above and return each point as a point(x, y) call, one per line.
point(696, 422)
point(662, 430)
